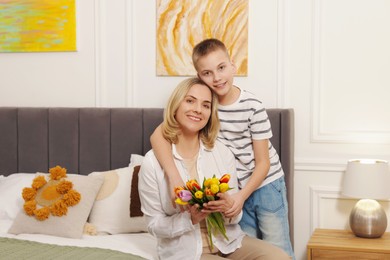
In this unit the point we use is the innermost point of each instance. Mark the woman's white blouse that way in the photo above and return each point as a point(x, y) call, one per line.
point(177, 237)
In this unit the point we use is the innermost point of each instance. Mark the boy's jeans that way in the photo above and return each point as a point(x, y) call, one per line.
point(265, 215)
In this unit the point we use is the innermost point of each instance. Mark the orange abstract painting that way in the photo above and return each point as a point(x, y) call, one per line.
point(37, 25)
point(181, 24)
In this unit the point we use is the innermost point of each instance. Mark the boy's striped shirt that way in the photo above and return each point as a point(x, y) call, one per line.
point(242, 121)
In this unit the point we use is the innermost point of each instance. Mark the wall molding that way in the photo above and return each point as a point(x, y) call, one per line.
point(100, 50)
point(318, 193)
point(129, 49)
point(98, 68)
point(319, 165)
point(282, 54)
point(319, 134)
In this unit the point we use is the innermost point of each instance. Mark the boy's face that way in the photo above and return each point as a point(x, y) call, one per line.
point(217, 71)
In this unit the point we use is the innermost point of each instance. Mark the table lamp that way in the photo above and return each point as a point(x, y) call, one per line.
point(367, 180)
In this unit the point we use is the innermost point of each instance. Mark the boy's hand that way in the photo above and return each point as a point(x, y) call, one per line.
point(224, 203)
point(238, 203)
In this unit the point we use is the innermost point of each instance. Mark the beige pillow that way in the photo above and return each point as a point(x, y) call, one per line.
point(117, 208)
point(70, 225)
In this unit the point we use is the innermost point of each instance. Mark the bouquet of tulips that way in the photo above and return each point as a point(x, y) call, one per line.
point(193, 194)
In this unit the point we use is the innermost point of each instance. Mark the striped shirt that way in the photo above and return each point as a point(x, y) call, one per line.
point(241, 122)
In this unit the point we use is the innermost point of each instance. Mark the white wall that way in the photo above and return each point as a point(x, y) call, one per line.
point(328, 60)
point(336, 69)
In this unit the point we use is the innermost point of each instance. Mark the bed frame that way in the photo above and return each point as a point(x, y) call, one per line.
point(98, 139)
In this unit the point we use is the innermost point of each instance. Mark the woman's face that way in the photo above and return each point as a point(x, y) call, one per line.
point(195, 109)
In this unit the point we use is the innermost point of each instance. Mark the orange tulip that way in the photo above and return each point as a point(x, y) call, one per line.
point(178, 189)
point(225, 178)
point(193, 185)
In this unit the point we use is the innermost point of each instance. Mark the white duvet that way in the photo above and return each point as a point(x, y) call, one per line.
point(142, 244)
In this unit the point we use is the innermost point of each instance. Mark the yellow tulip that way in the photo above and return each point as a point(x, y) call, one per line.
point(214, 188)
point(214, 181)
point(180, 202)
point(223, 187)
point(207, 183)
point(199, 194)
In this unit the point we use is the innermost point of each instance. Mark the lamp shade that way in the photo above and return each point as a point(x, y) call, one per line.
point(367, 179)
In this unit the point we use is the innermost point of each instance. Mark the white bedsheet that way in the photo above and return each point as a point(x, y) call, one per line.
point(142, 244)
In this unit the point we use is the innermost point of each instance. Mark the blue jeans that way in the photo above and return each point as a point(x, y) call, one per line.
point(265, 215)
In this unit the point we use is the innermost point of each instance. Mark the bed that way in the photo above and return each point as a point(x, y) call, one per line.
point(101, 149)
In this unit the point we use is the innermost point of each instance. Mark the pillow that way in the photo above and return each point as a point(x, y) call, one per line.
point(11, 201)
point(117, 208)
point(70, 225)
point(136, 159)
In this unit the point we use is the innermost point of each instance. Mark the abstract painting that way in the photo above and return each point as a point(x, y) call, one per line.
point(37, 25)
point(181, 24)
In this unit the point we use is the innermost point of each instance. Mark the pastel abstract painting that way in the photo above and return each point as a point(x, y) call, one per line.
point(37, 25)
point(181, 24)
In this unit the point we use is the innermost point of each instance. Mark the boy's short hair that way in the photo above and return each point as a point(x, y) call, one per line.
point(205, 47)
point(170, 126)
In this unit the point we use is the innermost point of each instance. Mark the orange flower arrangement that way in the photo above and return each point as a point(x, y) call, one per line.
point(50, 197)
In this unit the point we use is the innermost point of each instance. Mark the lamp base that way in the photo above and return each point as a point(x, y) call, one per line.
point(368, 219)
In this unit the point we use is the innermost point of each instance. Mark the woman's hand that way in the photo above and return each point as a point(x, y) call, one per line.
point(196, 214)
point(173, 183)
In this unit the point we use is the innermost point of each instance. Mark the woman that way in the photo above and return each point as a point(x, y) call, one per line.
point(191, 124)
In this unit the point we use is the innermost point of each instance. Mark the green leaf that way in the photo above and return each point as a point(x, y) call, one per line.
point(216, 224)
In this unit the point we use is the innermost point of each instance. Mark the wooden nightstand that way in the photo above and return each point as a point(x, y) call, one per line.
point(343, 244)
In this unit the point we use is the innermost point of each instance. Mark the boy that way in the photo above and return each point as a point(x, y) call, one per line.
point(246, 130)
point(191, 124)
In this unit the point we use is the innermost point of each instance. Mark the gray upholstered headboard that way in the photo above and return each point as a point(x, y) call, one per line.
point(98, 139)
point(79, 139)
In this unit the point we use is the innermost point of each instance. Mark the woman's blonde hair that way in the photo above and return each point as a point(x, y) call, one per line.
point(171, 128)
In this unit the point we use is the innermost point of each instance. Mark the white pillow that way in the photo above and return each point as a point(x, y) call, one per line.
point(136, 159)
point(70, 225)
point(11, 201)
point(117, 208)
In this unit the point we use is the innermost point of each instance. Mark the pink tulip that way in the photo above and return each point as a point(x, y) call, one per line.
point(184, 195)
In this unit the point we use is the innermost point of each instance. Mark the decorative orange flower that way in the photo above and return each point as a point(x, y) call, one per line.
point(57, 172)
point(29, 207)
point(42, 213)
point(64, 186)
point(59, 208)
point(29, 193)
point(71, 198)
point(38, 182)
point(50, 197)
